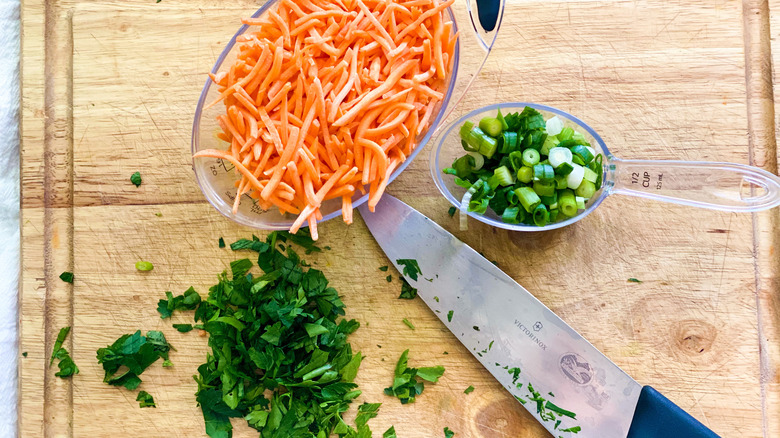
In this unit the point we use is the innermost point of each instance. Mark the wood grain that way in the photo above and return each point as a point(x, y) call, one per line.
point(111, 90)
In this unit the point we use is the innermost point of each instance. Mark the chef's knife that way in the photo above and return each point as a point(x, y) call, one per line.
point(505, 327)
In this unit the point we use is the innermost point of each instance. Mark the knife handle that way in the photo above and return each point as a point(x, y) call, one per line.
point(657, 417)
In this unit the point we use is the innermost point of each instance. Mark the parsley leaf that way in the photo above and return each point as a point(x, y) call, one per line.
point(449, 315)
point(452, 211)
point(383, 268)
point(66, 365)
point(406, 386)
point(221, 242)
point(187, 301)
point(390, 433)
point(136, 179)
point(448, 433)
point(67, 277)
point(469, 390)
point(634, 280)
point(183, 328)
point(389, 278)
point(411, 268)
point(128, 357)
point(407, 291)
point(145, 400)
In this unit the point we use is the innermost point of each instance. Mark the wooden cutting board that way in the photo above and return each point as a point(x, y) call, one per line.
point(109, 88)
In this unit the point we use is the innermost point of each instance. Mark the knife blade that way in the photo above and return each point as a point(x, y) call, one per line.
point(506, 328)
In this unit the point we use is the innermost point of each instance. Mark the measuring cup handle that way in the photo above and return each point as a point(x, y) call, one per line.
point(713, 185)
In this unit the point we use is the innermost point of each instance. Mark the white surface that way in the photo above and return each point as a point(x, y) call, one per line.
point(9, 212)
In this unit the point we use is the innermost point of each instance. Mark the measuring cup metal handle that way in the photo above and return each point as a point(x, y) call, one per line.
point(713, 185)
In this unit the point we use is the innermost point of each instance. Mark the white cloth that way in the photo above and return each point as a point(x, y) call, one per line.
point(10, 265)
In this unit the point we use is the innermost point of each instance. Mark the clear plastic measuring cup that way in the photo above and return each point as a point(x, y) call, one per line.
point(478, 22)
point(713, 185)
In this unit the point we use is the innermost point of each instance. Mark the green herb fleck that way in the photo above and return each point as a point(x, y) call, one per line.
point(158, 214)
point(145, 400)
point(574, 429)
point(490, 345)
point(389, 433)
point(449, 315)
point(411, 268)
point(136, 179)
point(448, 433)
point(221, 242)
point(183, 328)
point(452, 211)
point(408, 323)
point(435, 298)
point(67, 277)
point(634, 280)
point(167, 363)
point(24, 354)
point(66, 365)
point(407, 291)
point(469, 390)
point(128, 357)
point(389, 278)
point(144, 266)
point(476, 328)
point(406, 386)
point(188, 301)
point(383, 268)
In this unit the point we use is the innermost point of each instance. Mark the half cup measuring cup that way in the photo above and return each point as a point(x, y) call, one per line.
point(714, 185)
point(478, 23)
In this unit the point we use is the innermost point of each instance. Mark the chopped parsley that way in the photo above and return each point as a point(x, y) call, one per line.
point(634, 280)
point(406, 382)
point(448, 433)
point(144, 266)
point(279, 355)
point(407, 291)
point(449, 315)
point(67, 277)
point(436, 298)
point(158, 214)
point(476, 328)
point(66, 365)
point(183, 328)
point(136, 179)
point(188, 301)
point(411, 268)
point(408, 323)
point(383, 268)
point(452, 211)
point(389, 433)
point(145, 400)
point(389, 278)
point(469, 390)
point(24, 354)
point(128, 357)
point(221, 242)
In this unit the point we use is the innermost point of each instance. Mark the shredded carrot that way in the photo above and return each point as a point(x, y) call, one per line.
point(326, 98)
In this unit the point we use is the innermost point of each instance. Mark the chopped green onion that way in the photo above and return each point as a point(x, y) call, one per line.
point(553, 215)
point(144, 266)
point(525, 175)
point(479, 160)
point(511, 197)
point(465, 130)
point(467, 147)
point(558, 156)
point(549, 143)
point(510, 215)
point(564, 169)
point(465, 165)
point(474, 137)
point(548, 200)
point(544, 188)
point(488, 146)
point(565, 134)
point(543, 172)
point(567, 204)
point(582, 151)
point(530, 157)
point(590, 175)
point(574, 179)
point(560, 182)
point(541, 215)
point(509, 142)
point(491, 125)
point(528, 198)
point(577, 160)
point(503, 176)
point(516, 160)
point(500, 117)
point(586, 189)
point(580, 202)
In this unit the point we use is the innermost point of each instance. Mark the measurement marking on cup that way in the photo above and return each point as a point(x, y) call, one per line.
point(635, 179)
